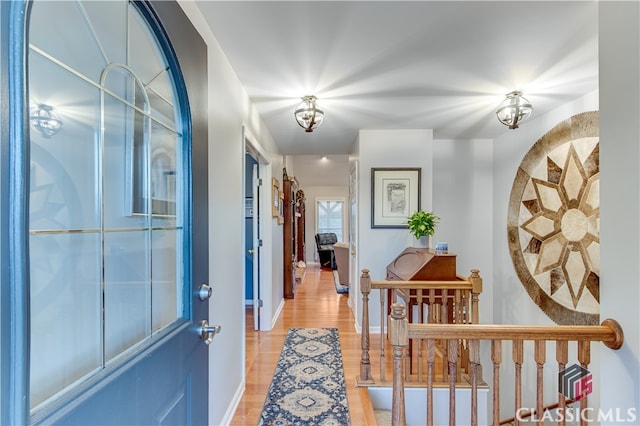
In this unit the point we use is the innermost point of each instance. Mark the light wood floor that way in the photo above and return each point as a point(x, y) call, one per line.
point(316, 305)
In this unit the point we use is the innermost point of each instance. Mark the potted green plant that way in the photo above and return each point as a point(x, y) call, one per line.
point(422, 224)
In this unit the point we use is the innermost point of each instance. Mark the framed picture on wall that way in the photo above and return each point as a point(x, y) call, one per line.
point(281, 210)
point(275, 197)
point(395, 195)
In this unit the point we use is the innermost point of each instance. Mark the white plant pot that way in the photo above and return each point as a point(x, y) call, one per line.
point(422, 242)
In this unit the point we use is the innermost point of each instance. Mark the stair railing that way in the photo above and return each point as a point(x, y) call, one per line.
point(401, 332)
point(446, 302)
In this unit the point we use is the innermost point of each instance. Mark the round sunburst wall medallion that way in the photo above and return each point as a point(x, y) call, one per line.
point(553, 224)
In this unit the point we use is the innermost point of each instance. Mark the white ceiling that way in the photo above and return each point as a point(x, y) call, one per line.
point(441, 65)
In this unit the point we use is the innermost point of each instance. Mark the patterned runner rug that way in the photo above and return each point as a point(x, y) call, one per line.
point(308, 386)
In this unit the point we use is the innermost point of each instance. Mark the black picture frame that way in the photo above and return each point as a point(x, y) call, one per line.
point(395, 195)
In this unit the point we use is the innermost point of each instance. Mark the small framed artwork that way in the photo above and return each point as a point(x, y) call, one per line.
point(275, 197)
point(395, 195)
point(281, 211)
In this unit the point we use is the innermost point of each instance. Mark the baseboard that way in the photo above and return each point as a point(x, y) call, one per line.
point(372, 330)
point(233, 405)
point(277, 314)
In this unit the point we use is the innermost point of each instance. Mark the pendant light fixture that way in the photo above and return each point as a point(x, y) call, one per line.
point(308, 114)
point(513, 110)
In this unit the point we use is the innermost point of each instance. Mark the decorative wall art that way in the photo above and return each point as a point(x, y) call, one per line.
point(281, 208)
point(275, 197)
point(554, 218)
point(395, 195)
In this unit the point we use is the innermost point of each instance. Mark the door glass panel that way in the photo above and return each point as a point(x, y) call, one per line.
point(63, 166)
point(82, 35)
point(166, 301)
point(65, 305)
point(106, 224)
point(127, 290)
point(159, 87)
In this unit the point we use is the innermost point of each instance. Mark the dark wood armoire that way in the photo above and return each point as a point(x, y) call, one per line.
point(289, 234)
point(300, 226)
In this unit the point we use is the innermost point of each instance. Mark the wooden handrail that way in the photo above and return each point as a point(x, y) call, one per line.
point(609, 332)
point(454, 335)
point(462, 284)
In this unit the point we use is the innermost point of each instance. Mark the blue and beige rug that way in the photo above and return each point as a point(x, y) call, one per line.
point(308, 386)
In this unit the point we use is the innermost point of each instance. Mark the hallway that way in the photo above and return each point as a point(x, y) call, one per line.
point(316, 305)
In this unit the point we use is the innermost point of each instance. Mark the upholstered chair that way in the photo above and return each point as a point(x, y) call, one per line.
point(324, 245)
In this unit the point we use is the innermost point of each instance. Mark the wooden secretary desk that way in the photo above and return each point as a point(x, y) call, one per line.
point(423, 264)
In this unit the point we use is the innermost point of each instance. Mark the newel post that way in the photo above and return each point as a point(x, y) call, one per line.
point(365, 363)
point(399, 339)
point(476, 288)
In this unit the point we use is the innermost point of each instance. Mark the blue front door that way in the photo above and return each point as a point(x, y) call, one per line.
point(112, 255)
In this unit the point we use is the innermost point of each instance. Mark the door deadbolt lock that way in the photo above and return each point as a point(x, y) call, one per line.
point(208, 332)
point(205, 292)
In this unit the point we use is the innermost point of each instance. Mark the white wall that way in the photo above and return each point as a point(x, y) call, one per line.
point(619, 47)
point(230, 110)
point(225, 231)
point(275, 287)
point(463, 199)
point(377, 247)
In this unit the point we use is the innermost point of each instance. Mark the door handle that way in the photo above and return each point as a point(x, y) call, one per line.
point(250, 251)
point(208, 332)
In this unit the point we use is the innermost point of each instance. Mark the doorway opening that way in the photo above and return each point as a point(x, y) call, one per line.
point(251, 233)
point(256, 235)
